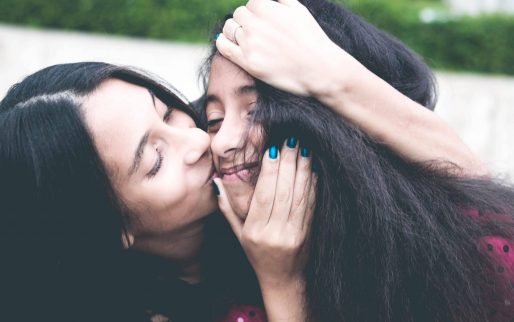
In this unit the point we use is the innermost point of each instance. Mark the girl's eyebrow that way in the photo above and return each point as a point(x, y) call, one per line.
point(210, 99)
point(241, 90)
point(245, 89)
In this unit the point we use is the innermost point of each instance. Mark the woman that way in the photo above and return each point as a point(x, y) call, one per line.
point(392, 239)
point(106, 186)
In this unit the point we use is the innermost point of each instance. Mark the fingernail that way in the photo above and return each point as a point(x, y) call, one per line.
point(291, 142)
point(315, 167)
point(305, 152)
point(216, 189)
point(216, 36)
point(273, 152)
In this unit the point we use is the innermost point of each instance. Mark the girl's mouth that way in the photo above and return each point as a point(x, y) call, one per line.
point(238, 172)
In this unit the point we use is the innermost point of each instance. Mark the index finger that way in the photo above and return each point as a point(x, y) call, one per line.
point(230, 50)
point(264, 193)
point(287, 174)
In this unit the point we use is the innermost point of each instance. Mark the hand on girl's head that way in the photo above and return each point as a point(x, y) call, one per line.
point(273, 41)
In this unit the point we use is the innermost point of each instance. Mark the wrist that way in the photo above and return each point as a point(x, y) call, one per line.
point(344, 82)
point(282, 285)
point(285, 302)
point(332, 79)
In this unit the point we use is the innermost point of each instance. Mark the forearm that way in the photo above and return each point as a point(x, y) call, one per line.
point(385, 114)
point(285, 302)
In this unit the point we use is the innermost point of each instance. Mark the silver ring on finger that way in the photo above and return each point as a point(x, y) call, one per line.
point(234, 36)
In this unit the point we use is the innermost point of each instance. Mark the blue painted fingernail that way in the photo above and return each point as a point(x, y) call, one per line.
point(216, 36)
point(273, 152)
point(305, 152)
point(216, 189)
point(315, 167)
point(291, 142)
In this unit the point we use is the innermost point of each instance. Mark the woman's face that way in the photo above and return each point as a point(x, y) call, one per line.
point(159, 163)
point(231, 96)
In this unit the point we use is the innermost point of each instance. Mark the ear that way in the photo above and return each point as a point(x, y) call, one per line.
point(127, 239)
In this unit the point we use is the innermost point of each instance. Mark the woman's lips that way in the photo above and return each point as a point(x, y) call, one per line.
point(238, 172)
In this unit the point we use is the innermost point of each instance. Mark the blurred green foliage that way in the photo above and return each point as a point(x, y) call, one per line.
point(184, 20)
point(483, 44)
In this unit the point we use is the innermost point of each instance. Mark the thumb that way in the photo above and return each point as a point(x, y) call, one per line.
point(235, 222)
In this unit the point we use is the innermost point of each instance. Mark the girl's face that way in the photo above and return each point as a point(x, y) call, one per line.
point(231, 97)
point(158, 162)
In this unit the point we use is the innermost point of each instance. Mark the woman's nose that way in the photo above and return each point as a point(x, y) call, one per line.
point(228, 138)
point(192, 142)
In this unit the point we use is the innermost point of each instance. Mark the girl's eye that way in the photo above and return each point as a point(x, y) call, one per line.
point(214, 125)
point(251, 110)
point(157, 166)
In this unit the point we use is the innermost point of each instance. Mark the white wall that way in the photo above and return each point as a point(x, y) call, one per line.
point(23, 51)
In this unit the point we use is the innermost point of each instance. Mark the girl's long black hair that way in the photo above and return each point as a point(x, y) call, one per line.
point(391, 240)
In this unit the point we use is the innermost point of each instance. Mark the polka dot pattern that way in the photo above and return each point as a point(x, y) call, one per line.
point(499, 250)
point(244, 313)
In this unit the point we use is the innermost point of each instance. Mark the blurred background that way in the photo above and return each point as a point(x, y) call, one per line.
point(469, 43)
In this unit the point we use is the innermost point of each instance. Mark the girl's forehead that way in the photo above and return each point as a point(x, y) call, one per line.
point(222, 65)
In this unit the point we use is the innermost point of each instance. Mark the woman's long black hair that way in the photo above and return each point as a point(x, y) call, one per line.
point(391, 240)
point(61, 224)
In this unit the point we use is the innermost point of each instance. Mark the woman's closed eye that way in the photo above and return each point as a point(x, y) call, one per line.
point(160, 157)
point(157, 165)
